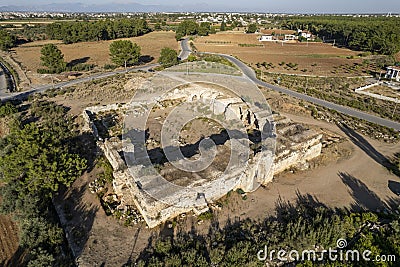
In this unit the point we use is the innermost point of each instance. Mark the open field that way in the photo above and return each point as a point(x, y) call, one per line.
point(93, 52)
point(278, 31)
point(115, 89)
point(311, 58)
point(385, 91)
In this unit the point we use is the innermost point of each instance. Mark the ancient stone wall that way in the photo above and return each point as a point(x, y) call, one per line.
point(298, 149)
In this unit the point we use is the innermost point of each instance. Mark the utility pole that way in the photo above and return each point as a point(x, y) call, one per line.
point(394, 110)
point(305, 91)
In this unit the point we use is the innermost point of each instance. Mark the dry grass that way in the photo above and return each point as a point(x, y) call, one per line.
point(116, 89)
point(385, 91)
point(316, 58)
point(98, 52)
point(277, 31)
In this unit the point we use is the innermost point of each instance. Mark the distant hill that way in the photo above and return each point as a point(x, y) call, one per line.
point(112, 7)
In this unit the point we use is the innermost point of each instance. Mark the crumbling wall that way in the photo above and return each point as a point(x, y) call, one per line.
point(298, 149)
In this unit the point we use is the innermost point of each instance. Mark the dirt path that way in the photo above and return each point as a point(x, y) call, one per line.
point(357, 182)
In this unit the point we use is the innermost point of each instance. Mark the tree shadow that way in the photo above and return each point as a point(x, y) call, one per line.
point(157, 155)
point(395, 161)
point(17, 259)
point(394, 187)
point(145, 59)
point(85, 145)
point(364, 198)
point(225, 238)
point(77, 61)
point(76, 217)
point(304, 206)
point(359, 141)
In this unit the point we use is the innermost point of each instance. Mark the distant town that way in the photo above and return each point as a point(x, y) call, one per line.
point(198, 138)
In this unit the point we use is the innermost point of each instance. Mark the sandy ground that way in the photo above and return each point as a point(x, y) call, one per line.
point(28, 55)
point(8, 239)
point(357, 182)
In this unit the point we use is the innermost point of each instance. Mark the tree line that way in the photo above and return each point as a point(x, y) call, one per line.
point(38, 157)
point(190, 27)
point(307, 225)
point(374, 34)
point(7, 40)
point(123, 53)
point(83, 31)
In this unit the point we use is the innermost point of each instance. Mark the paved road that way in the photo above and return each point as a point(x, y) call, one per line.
point(4, 96)
point(185, 52)
point(3, 82)
point(243, 67)
point(342, 109)
point(6, 80)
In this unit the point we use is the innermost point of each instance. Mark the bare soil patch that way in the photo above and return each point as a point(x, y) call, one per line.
point(116, 89)
point(315, 58)
point(385, 91)
point(8, 239)
point(28, 55)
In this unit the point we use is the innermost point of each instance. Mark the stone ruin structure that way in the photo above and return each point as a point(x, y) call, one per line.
point(296, 145)
point(167, 192)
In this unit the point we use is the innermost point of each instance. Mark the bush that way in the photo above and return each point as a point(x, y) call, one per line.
point(110, 67)
point(208, 215)
point(7, 109)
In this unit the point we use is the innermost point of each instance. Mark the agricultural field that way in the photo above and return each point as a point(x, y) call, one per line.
point(307, 59)
point(93, 52)
point(337, 90)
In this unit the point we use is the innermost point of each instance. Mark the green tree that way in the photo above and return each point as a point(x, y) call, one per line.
point(223, 25)
point(52, 58)
point(124, 52)
point(157, 27)
point(204, 29)
point(187, 27)
point(191, 58)
point(39, 155)
point(7, 40)
point(252, 28)
point(168, 57)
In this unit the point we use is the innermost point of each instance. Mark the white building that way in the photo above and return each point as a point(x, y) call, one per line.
point(266, 38)
point(393, 73)
point(290, 37)
point(305, 34)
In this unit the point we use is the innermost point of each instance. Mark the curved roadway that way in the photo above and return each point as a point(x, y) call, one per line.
point(185, 52)
point(42, 88)
point(185, 49)
point(339, 108)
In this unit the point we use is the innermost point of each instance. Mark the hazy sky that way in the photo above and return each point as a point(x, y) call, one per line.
point(309, 6)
